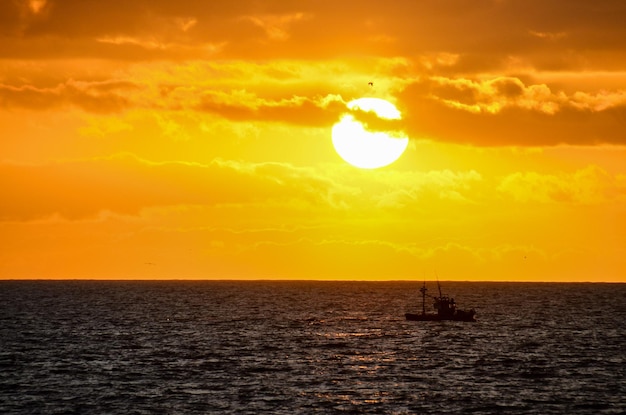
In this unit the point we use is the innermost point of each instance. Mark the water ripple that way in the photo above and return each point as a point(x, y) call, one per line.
point(306, 347)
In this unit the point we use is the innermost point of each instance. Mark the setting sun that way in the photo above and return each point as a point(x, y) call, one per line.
point(363, 148)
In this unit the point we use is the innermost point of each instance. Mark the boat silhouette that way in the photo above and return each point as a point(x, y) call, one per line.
point(446, 309)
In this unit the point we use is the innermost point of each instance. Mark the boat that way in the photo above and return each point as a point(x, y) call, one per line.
point(445, 306)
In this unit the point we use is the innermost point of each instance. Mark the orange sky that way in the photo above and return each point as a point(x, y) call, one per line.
point(189, 139)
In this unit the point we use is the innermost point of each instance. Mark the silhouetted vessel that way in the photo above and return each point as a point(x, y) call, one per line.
point(446, 309)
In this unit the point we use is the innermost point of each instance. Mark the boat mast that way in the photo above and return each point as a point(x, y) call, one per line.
point(438, 285)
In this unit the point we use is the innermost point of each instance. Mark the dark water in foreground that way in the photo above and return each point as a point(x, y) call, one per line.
point(308, 347)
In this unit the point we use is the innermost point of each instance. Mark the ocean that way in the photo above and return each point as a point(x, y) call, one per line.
point(298, 347)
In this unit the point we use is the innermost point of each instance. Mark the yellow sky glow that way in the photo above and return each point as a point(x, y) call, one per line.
point(192, 139)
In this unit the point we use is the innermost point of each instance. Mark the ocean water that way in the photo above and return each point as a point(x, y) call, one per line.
point(226, 347)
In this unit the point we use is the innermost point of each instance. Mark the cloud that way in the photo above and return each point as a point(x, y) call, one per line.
point(36, 6)
point(403, 190)
point(591, 185)
point(145, 43)
point(502, 92)
point(487, 110)
point(17, 15)
point(506, 111)
point(275, 26)
point(185, 23)
point(127, 185)
point(245, 106)
point(482, 34)
point(99, 97)
point(552, 36)
point(493, 92)
point(301, 93)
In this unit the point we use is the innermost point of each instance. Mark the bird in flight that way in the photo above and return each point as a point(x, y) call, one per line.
point(370, 83)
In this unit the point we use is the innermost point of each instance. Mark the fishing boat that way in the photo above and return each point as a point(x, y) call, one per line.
point(445, 306)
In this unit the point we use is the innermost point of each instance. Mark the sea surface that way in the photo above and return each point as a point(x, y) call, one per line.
point(227, 347)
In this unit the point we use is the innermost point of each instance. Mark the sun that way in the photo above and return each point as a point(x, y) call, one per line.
point(364, 148)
